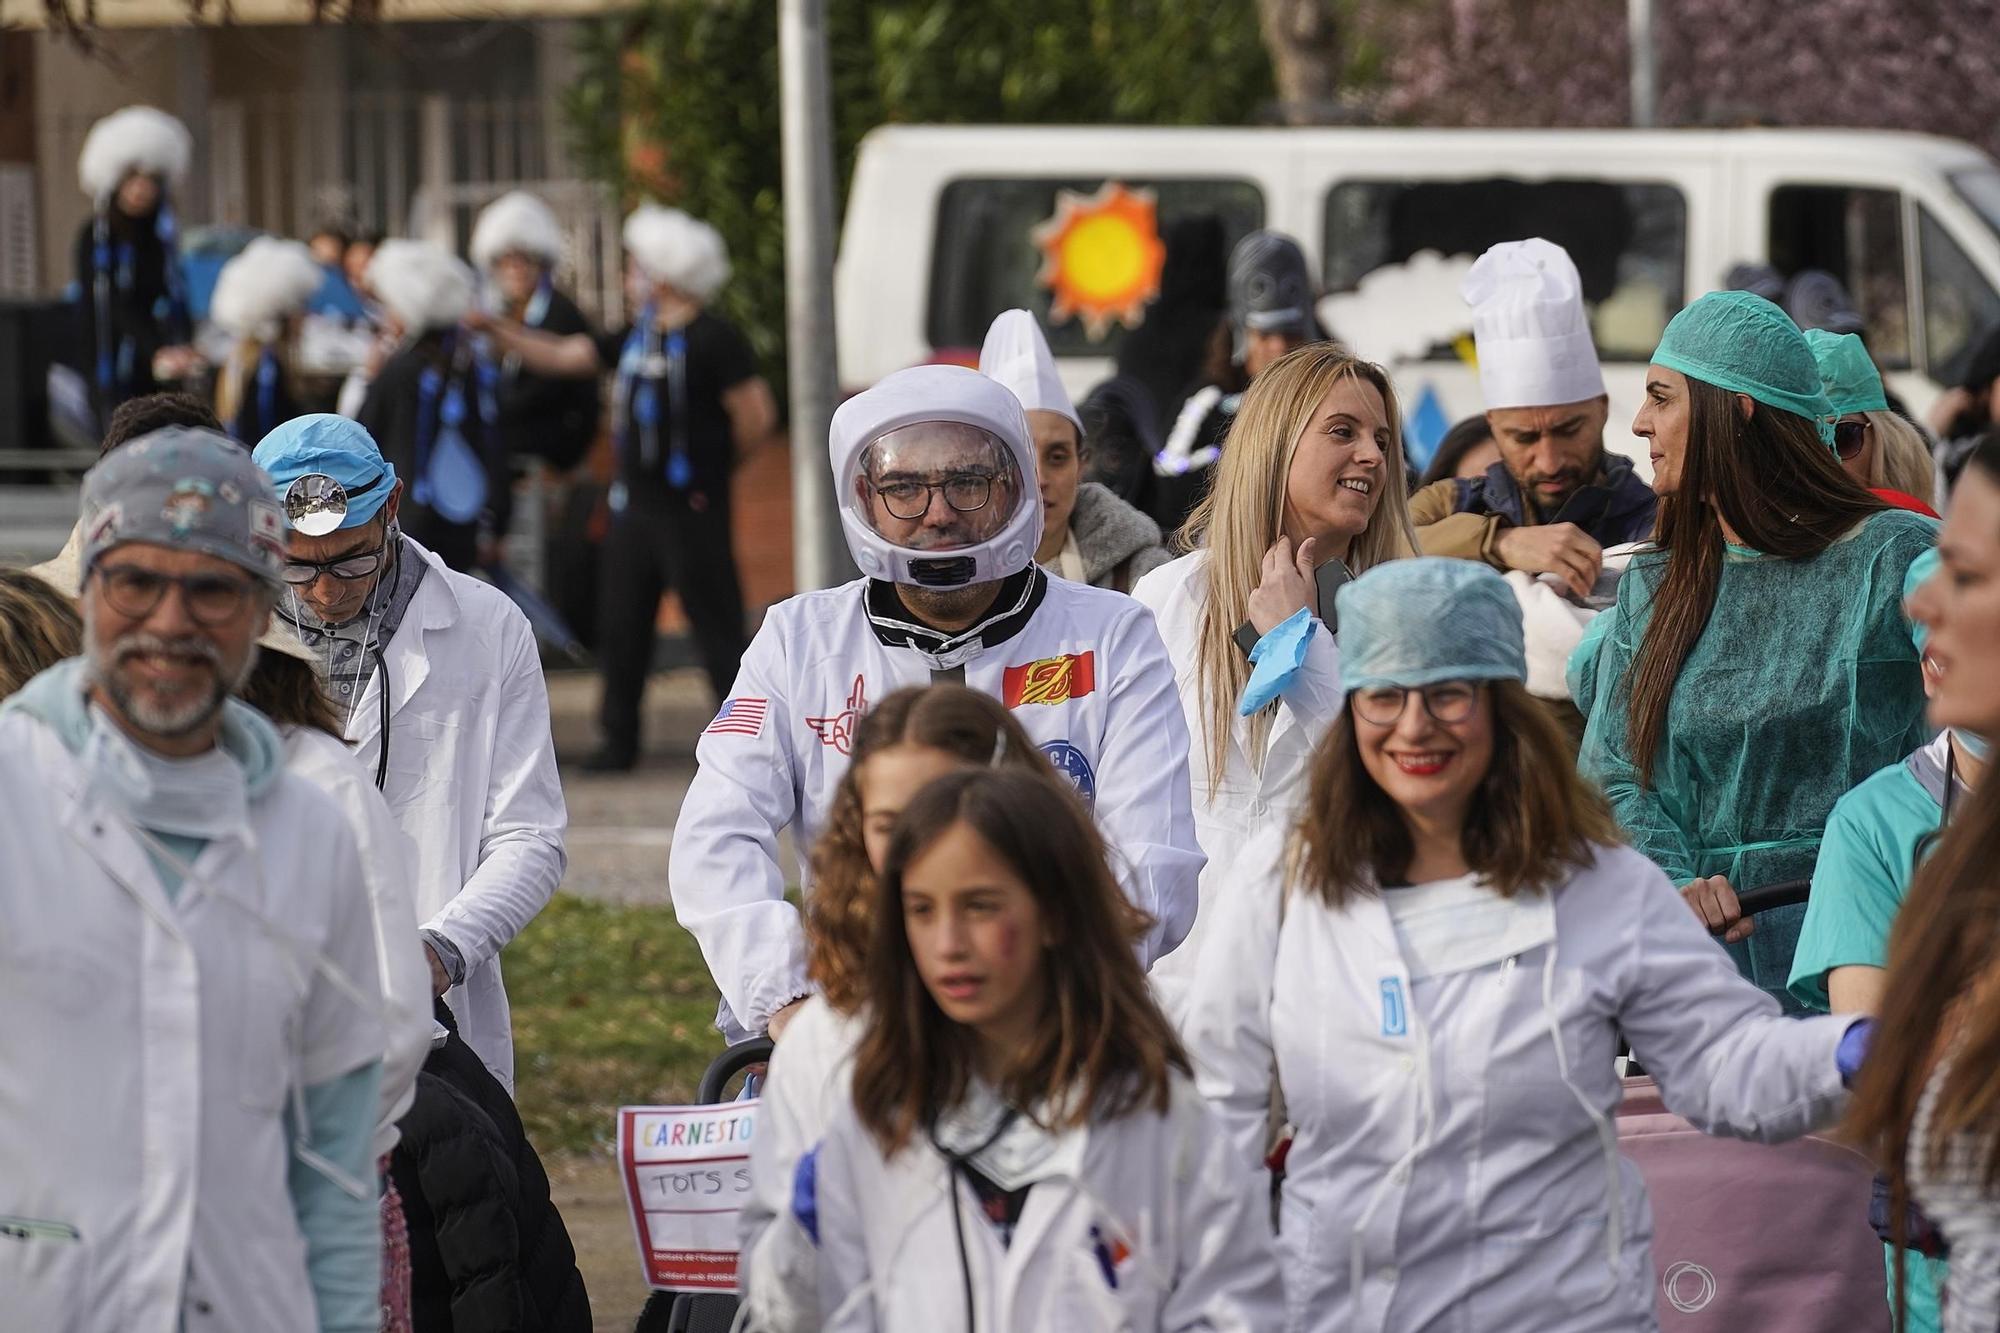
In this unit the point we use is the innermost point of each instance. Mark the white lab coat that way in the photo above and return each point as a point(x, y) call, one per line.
point(809, 1080)
point(816, 665)
point(388, 863)
point(472, 779)
point(1159, 1196)
point(1246, 798)
point(1500, 1224)
point(149, 1047)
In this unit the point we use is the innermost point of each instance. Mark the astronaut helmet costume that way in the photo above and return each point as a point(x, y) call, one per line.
point(934, 468)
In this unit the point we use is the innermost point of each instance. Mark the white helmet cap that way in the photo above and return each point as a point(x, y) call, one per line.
point(260, 286)
point(516, 223)
point(681, 251)
point(423, 284)
point(1017, 355)
point(922, 427)
point(138, 138)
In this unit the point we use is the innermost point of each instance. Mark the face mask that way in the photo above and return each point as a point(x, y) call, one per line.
point(1975, 745)
point(203, 797)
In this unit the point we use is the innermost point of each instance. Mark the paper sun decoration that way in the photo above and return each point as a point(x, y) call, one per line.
point(1101, 257)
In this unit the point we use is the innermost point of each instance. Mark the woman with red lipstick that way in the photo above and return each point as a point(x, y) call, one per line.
point(1025, 1150)
point(1435, 969)
point(912, 737)
point(1759, 665)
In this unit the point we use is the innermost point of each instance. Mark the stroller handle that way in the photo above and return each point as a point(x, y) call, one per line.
point(1788, 893)
point(755, 1051)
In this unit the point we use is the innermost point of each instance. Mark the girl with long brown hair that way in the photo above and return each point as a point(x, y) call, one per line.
point(904, 742)
point(1758, 664)
point(1429, 978)
point(1928, 1100)
point(1311, 476)
point(1025, 1149)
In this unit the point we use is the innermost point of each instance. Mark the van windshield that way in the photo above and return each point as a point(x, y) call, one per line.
point(987, 259)
point(1629, 241)
point(1980, 187)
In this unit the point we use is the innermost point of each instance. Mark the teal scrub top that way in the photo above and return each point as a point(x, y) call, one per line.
point(1804, 682)
point(1866, 862)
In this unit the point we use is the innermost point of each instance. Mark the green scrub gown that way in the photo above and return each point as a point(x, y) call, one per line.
point(1804, 682)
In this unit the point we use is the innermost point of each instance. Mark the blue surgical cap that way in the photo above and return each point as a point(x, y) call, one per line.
point(335, 447)
point(1744, 344)
point(1416, 622)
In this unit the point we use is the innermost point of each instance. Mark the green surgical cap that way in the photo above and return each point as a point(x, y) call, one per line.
point(1847, 372)
point(1410, 623)
point(1744, 344)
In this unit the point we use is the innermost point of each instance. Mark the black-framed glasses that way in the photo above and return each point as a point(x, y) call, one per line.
point(1849, 438)
point(1447, 701)
point(211, 599)
point(967, 492)
point(305, 573)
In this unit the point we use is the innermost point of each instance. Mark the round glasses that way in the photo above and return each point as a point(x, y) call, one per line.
point(967, 492)
point(1849, 438)
point(304, 573)
point(1447, 701)
point(210, 599)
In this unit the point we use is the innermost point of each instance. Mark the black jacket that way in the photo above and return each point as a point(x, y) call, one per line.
point(488, 1250)
point(1615, 509)
point(554, 420)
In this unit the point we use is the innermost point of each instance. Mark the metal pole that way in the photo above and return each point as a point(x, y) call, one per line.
point(1645, 75)
point(819, 554)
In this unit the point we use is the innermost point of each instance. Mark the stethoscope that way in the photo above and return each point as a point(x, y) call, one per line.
point(382, 675)
point(955, 1164)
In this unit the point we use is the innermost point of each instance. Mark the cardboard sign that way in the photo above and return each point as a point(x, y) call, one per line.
point(687, 1173)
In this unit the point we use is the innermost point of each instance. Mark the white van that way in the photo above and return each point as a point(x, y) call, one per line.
point(940, 220)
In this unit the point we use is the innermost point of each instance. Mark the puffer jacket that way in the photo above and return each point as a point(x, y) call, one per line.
point(488, 1250)
point(1119, 544)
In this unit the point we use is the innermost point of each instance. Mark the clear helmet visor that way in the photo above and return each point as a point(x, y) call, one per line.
point(936, 486)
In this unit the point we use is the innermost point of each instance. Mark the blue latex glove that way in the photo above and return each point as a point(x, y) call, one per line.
point(805, 1192)
point(1276, 659)
point(1853, 1049)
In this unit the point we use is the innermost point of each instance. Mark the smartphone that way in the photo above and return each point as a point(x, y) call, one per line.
point(1327, 578)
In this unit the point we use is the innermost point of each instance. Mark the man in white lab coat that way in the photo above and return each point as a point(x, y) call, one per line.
point(934, 471)
point(440, 682)
point(194, 1034)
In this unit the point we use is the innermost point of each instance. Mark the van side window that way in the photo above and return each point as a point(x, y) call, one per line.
point(1629, 241)
point(1959, 304)
point(1856, 234)
point(984, 259)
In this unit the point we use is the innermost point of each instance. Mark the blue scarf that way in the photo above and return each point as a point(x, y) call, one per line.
point(649, 357)
point(113, 268)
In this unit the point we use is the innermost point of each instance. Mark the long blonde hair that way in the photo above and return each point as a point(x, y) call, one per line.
point(1244, 512)
point(1902, 460)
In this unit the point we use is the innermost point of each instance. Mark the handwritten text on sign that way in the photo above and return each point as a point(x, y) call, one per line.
point(687, 1173)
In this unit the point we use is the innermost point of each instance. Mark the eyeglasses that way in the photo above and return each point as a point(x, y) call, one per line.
point(967, 492)
point(1447, 701)
point(304, 573)
point(1849, 437)
point(211, 599)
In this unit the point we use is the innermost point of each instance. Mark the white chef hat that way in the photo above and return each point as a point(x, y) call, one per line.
point(673, 248)
point(516, 223)
point(1530, 326)
point(423, 284)
point(268, 280)
point(935, 395)
point(138, 138)
point(1017, 355)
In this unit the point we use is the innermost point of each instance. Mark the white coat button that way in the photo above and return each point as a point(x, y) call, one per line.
point(1400, 1176)
point(1408, 1062)
point(1387, 1274)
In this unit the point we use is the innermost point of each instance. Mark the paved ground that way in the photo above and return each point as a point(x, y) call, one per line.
point(621, 826)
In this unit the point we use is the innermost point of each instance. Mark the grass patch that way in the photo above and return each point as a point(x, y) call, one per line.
point(613, 1007)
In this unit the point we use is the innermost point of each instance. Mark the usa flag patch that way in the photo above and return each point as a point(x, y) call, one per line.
point(739, 717)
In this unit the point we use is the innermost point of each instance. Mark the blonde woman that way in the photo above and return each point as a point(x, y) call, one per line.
point(1312, 473)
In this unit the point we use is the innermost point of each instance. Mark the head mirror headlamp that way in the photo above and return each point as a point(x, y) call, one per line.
point(316, 504)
